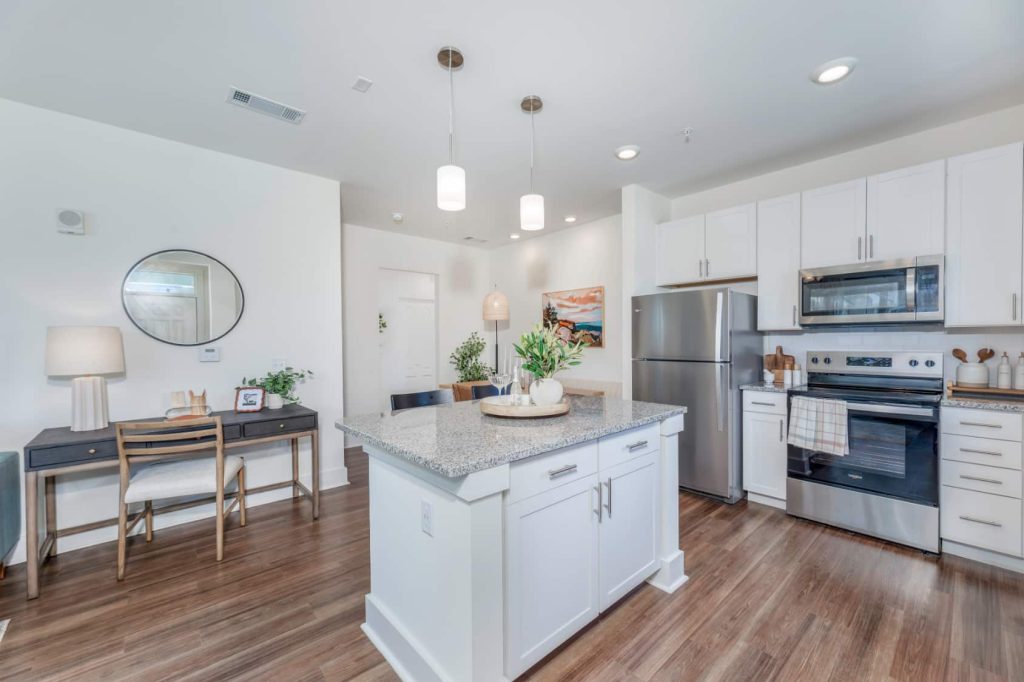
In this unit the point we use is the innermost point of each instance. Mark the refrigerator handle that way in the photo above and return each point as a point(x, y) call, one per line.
point(721, 395)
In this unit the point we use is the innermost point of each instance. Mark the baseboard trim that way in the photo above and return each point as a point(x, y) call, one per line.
point(984, 556)
point(766, 501)
point(401, 653)
point(672, 574)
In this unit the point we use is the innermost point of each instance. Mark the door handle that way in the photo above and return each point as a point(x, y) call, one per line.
point(700, 267)
point(860, 248)
point(987, 523)
point(781, 424)
point(561, 471)
point(758, 402)
point(892, 409)
point(982, 452)
point(794, 315)
point(608, 504)
point(600, 510)
point(987, 426)
point(720, 399)
point(632, 447)
point(1014, 313)
point(707, 267)
point(982, 480)
point(871, 246)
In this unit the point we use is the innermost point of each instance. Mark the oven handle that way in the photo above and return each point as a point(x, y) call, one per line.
point(911, 290)
point(893, 410)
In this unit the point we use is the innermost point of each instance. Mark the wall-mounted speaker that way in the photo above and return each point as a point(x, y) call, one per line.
point(70, 222)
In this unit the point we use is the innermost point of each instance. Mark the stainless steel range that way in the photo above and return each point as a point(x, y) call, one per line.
point(888, 486)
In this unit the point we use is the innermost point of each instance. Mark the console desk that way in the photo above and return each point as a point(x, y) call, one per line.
point(61, 451)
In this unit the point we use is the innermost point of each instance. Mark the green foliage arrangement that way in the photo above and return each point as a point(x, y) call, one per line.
point(545, 354)
point(466, 359)
point(282, 383)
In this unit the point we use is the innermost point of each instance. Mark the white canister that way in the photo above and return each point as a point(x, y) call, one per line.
point(798, 376)
point(1004, 374)
point(787, 377)
point(1018, 374)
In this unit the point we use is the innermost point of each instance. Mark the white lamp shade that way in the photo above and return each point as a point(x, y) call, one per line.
point(83, 351)
point(531, 212)
point(495, 306)
point(451, 188)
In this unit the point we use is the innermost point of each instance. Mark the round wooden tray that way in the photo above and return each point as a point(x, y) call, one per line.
point(499, 406)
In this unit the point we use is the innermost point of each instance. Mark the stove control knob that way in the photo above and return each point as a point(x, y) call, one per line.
point(814, 360)
point(929, 363)
point(828, 361)
point(913, 363)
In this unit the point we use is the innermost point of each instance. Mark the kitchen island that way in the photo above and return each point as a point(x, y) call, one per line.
point(493, 541)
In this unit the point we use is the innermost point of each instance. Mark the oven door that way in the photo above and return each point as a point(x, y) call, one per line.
point(908, 290)
point(893, 452)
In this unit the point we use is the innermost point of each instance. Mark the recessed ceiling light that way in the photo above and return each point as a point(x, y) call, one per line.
point(362, 84)
point(833, 71)
point(513, 236)
point(570, 219)
point(627, 153)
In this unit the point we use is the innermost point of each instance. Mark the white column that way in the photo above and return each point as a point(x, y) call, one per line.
point(671, 573)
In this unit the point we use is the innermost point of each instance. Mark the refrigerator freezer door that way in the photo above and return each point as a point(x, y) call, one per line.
point(684, 325)
point(709, 445)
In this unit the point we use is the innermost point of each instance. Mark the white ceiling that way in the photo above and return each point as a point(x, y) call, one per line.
point(611, 72)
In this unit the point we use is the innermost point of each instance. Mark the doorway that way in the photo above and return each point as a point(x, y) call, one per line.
point(407, 305)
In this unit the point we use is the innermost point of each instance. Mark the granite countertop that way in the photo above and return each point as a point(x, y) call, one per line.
point(985, 404)
point(771, 388)
point(457, 439)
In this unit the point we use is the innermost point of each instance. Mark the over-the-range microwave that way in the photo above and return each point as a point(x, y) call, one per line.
point(905, 290)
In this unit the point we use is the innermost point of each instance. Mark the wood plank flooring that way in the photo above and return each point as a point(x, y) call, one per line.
point(769, 597)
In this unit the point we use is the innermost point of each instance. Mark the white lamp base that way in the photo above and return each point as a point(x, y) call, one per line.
point(89, 404)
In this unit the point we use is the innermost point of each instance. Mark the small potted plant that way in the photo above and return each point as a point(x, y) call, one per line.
point(280, 386)
point(544, 355)
point(466, 359)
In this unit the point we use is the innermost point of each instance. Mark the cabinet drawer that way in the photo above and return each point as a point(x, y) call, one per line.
point(982, 478)
point(232, 432)
point(982, 423)
point(622, 447)
point(763, 401)
point(287, 425)
point(981, 520)
point(545, 472)
point(987, 451)
point(71, 454)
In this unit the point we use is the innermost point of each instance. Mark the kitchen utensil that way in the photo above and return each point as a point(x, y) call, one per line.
point(960, 354)
point(986, 354)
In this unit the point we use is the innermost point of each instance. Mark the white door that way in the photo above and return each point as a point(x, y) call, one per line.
point(778, 263)
point(628, 526)
point(832, 229)
point(984, 237)
point(552, 562)
point(408, 345)
point(764, 454)
point(907, 212)
point(680, 252)
point(730, 238)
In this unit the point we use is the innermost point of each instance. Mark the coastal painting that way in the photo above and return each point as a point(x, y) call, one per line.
point(577, 315)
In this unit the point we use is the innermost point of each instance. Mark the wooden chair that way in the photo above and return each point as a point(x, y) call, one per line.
point(140, 442)
point(405, 401)
point(484, 391)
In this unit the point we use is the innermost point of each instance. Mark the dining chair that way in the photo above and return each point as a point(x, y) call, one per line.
point(154, 443)
point(405, 401)
point(484, 391)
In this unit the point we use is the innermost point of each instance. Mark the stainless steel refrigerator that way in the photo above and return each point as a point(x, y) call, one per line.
point(695, 348)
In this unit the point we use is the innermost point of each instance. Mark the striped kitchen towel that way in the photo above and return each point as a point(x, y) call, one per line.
point(819, 424)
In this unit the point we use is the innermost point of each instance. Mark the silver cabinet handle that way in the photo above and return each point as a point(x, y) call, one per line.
point(608, 504)
point(707, 267)
point(637, 445)
point(979, 478)
point(600, 495)
point(871, 246)
point(1015, 307)
point(987, 523)
point(700, 267)
point(758, 402)
point(562, 471)
point(780, 429)
point(987, 426)
point(982, 452)
point(794, 315)
point(860, 248)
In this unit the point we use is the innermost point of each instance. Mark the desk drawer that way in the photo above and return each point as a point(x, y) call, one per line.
point(232, 432)
point(982, 423)
point(987, 451)
point(763, 401)
point(981, 520)
point(622, 447)
point(539, 474)
point(71, 454)
point(286, 425)
point(982, 478)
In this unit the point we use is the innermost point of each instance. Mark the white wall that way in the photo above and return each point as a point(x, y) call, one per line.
point(586, 255)
point(463, 280)
point(278, 230)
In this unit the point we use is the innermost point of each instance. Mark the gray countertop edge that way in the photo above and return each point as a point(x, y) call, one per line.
point(984, 404)
point(774, 388)
point(510, 457)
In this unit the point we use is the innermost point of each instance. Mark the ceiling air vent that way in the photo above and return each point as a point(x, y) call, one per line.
point(265, 106)
point(474, 240)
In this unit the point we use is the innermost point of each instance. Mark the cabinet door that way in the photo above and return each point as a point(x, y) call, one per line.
point(832, 224)
point(984, 237)
point(764, 454)
point(628, 526)
point(730, 238)
point(907, 212)
point(552, 563)
point(778, 263)
point(680, 257)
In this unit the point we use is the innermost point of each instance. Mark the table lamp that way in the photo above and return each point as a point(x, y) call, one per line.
point(495, 308)
point(85, 353)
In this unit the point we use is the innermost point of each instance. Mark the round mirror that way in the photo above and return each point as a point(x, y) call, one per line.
point(182, 297)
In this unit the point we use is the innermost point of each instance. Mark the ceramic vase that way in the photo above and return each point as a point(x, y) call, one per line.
point(274, 401)
point(546, 391)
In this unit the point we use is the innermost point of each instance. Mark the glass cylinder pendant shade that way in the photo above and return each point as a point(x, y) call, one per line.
point(531, 212)
point(451, 188)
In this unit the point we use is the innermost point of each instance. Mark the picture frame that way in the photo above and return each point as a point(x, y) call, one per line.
point(249, 399)
point(576, 315)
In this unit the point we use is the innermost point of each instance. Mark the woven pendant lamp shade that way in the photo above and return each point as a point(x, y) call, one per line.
point(495, 306)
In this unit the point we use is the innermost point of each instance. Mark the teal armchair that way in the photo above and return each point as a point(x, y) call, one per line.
point(10, 505)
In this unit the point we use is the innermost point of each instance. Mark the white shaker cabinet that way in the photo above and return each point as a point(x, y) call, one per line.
point(906, 212)
point(778, 263)
point(680, 251)
point(984, 237)
point(765, 433)
point(730, 238)
point(833, 220)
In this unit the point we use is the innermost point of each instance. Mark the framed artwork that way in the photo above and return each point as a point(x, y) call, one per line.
point(249, 399)
point(576, 315)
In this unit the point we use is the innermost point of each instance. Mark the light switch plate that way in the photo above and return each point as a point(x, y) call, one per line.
point(211, 354)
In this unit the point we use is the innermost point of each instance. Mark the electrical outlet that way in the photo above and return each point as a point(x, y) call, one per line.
point(209, 354)
point(277, 364)
point(427, 518)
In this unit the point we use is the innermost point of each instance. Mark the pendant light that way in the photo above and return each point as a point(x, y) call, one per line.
point(451, 179)
point(531, 206)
